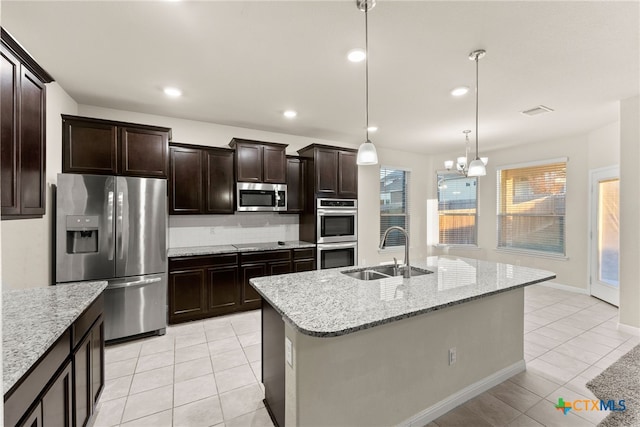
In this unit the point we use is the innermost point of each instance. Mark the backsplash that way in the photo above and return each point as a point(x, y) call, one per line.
point(247, 227)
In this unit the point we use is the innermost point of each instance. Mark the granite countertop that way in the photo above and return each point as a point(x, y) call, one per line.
point(246, 247)
point(327, 303)
point(33, 319)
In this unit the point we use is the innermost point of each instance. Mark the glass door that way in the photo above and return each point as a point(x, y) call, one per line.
point(604, 257)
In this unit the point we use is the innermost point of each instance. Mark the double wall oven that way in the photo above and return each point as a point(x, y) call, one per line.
point(337, 232)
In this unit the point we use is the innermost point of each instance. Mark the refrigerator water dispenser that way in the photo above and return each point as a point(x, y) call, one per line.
point(82, 234)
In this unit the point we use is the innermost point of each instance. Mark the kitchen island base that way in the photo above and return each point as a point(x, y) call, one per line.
point(396, 373)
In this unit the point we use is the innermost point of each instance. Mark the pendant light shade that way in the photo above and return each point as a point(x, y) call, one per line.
point(367, 154)
point(476, 168)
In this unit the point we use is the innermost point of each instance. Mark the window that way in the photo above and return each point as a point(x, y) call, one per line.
point(394, 203)
point(531, 207)
point(457, 209)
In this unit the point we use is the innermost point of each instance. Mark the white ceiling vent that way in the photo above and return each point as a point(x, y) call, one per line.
point(540, 109)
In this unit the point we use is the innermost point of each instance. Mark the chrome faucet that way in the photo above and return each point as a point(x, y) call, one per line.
point(407, 271)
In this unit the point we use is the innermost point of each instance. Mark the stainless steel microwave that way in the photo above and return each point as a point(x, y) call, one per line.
point(259, 197)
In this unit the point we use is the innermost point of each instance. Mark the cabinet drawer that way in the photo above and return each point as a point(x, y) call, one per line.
point(83, 323)
point(189, 262)
point(27, 390)
point(252, 257)
point(304, 253)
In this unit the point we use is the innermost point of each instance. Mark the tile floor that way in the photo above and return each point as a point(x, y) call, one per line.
point(206, 373)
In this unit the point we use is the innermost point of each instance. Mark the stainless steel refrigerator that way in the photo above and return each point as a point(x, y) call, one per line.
point(114, 228)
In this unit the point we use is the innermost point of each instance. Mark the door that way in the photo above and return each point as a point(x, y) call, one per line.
point(347, 175)
point(186, 191)
point(222, 290)
point(605, 234)
point(89, 147)
point(56, 402)
point(10, 69)
point(248, 272)
point(84, 252)
point(334, 255)
point(140, 226)
point(219, 181)
point(143, 152)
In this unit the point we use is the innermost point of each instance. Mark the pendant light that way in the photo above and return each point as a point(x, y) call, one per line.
point(367, 154)
point(477, 166)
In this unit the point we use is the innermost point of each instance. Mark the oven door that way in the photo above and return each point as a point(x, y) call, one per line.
point(335, 226)
point(334, 255)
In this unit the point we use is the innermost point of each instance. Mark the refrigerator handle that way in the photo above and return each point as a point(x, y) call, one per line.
point(119, 223)
point(110, 224)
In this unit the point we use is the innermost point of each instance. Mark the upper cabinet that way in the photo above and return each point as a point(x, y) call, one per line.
point(258, 161)
point(296, 169)
point(105, 147)
point(23, 141)
point(201, 180)
point(333, 171)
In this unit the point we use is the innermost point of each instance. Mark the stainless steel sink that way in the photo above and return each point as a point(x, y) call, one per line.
point(399, 271)
point(383, 272)
point(365, 275)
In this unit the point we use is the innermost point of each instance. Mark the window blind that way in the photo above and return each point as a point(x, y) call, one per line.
point(394, 203)
point(457, 209)
point(531, 207)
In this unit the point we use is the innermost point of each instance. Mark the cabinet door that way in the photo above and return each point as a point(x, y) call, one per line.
point(89, 147)
point(295, 184)
point(279, 267)
point(34, 419)
point(9, 78)
point(97, 360)
point(56, 402)
point(143, 152)
point(222, 290)
point(185, 188)
point(82, 401)
point(250, 297)
point(274, 165)
point(326, 172)
point(304, 265)
point(32, 144)
point(219, 181)
point(347, 175)
point(249, 162)
point(187, 298)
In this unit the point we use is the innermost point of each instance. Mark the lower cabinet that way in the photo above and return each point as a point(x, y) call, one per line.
point(203, 286)
point(63, 387)
point(211, 285)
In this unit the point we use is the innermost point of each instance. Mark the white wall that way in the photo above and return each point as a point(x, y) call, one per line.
point(421, 179)
point(629, 313)
point(27, 259)
point(598, 148)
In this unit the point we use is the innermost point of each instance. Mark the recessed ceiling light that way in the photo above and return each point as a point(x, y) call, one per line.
point(290, 114)
point(372, 128)
point(356, 55)
point(172, 92)
point(459, 91)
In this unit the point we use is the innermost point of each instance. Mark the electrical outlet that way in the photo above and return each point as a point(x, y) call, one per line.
point(288, 351)
point(452, 356)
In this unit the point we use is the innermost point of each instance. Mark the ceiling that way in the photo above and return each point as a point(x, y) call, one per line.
point(243, 63)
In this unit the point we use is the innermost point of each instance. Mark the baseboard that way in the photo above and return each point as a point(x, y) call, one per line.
point(629, 329)
point(565, 288)
point(435, 411)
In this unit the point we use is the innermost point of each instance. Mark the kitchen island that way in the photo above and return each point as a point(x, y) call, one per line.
point(343, 351)
point(52, 353)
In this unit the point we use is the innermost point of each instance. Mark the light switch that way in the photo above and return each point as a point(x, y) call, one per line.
point(288, 351)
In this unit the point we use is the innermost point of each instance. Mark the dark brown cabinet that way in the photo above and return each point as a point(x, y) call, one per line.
point(258, 161)
point(210, 285)
point(105, 147)
point(56, 403)
point(296, 169)
point(201, 180)
point(304, 259)
point(203, 286)
point(63, 387)
point(259, 264)
point(333, 171)
point(88, 374)
point(23, 140)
